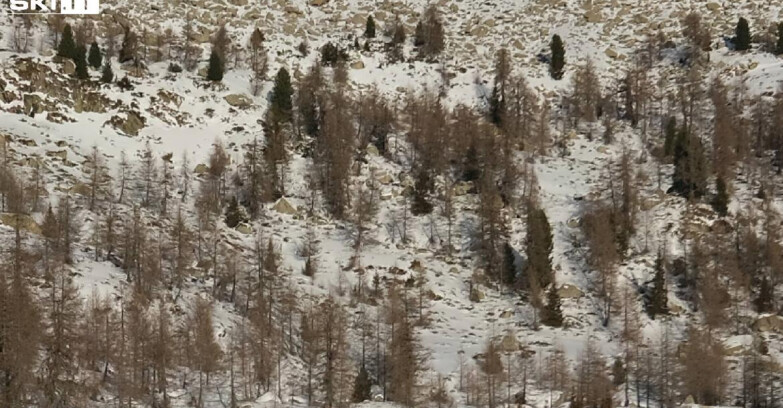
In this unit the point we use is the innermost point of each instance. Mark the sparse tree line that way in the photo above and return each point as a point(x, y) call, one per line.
point(57, 349)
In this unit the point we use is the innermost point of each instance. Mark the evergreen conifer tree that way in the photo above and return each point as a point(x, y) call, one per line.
point(81, 63)
point(779, 44)
point(362, 387)
point(742, 35)
point(557, 62)
point(553, 311)
point(95, 58)
point(233, 213)
point(509, 265)
point(369, 30)
point(67, 46)
point(539, 248)
point(107, 75)
point(764, 301)
point(421, 188)
point(658, 303)
point(281, 95)
point(215, 69)
point(720, 202)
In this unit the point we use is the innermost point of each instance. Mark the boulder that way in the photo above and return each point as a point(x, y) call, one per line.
point(594, 16)
point(201, 168)
point(509, 343)
point(611, 53)
point(372, 150)
point(81, 189)
point(132, 124)
point(462, 188)
point(24, 222)
point(569, 292)
point(385, 179)
point(713, 6)
point(239, 100)
point(506, 314)
point(284, 207)
point(318, 3)
point(245, 229)
point(33, 104)
point(60, 154)
point(357, 65)
point(768, 323)
point(69, 68)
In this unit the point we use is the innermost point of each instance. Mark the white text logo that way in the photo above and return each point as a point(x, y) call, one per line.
point(55, 6)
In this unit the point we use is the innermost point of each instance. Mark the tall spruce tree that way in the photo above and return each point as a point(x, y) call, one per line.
point(779, 44)
point(557, 63)
point(552, 314)
point(81, 63)
point(658, 300)
point(509, 265)
point(362, 386)
point(720, 203)
point(764, 302)
point(742, 35)
point(107, 75)
point(95, 58)
point(369, 30)
point(281, 95)
point(539, 248)
point(215, 69)
point(67, 46)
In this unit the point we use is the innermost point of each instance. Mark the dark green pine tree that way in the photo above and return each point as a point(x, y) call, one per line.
point(552, 315)
point(539, 248)
point(470, 168)
point(215, 69)
point(670, 135)
point(80, 61)
point(658, 304)
point(369, 30)
point(720, 203)
point(233, 213)
point(509, 265)
point(281, 95)
point(67, 46)
point(765, 299)
point(95, 58)
point(421, 189)
point(557, 62)
point(690, 173)
point(107, 75)
point(779, 45)
point(742, 35)
point(496, 107)
point(362, 386)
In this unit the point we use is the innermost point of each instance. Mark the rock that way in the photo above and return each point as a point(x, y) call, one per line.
point(509, 343)
point(284, 207)
point(573, 223)
point(201, 168)
point(689, 400)
point(69, 68)
point(385, 179)
point(357, 65)
point(291, 9)
point(318, 3)
point(132, 124)
point(22, 221)
point(462, 188)
point(506, 314)
point(611, 53)
point(594, 16)
point(81, 189)
point(245, 229)
point(712, 6)
point(33, 104)
point(372, 150)
point(417, 266)
point(239, 100)
point(569, 292)
point(477, 295)
point(90, 102)
point(60, 154)
point(768, 323)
